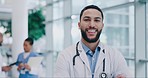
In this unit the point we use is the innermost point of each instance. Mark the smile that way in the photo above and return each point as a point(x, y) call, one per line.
point(91, 30)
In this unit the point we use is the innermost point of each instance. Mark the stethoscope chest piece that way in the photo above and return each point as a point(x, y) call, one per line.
point(103, 75)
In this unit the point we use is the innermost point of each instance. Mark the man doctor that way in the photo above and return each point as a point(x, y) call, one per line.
point(90, 58)
point(3, 69)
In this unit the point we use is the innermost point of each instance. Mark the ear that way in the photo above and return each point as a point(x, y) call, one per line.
point(79, 25)
point(102, 25)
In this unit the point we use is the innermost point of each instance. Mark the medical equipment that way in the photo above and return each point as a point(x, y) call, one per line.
point(103, 74)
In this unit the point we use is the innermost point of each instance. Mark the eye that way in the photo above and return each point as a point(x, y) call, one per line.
point(86, 19)
point(97, 20)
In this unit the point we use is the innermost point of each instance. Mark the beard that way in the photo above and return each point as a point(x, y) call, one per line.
point(84, 35)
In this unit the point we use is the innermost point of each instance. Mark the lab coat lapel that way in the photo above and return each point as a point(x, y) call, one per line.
point(100, 60)
point(84, 57)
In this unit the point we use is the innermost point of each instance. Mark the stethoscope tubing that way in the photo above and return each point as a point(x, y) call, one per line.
point(103, 74)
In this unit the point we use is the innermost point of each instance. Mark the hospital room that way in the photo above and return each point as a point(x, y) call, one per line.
point(73, 38)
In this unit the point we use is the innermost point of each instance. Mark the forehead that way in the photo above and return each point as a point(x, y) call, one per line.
point(26, 42)
point(92, 13)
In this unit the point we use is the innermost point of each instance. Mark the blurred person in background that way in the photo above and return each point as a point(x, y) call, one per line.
point(26, 71)
point(3, 69)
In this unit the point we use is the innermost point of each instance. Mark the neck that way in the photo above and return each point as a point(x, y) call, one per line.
point(91, 46)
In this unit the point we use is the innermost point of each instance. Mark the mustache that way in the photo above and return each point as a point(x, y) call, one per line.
point(91, 28)
point(83, 33)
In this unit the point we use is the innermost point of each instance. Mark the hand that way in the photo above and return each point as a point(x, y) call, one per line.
point(20, 66)
point(6, 68)
point(120, 76)
point(27, 67)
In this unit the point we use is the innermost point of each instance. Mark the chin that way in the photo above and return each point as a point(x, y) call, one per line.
point(26, 51)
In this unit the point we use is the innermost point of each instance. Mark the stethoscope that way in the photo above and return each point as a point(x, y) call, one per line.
point(103, 74)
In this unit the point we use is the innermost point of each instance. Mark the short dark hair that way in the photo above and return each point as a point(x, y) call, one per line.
point(91, 7)
point(30, 40)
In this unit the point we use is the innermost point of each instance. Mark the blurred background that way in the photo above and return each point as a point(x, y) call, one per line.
point(53, 26)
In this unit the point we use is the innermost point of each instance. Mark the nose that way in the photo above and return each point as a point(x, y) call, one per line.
point(92, 24)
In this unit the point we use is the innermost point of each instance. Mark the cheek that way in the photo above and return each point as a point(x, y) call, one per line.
point(100, 26)
point(29, 47)
point(84, 24)
point(83, 27)
point(26, 47)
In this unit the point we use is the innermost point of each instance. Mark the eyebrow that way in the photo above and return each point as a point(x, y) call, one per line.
point(89, 17)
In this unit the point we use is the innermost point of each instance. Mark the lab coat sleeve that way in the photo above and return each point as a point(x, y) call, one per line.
point(121, 67)
point(2, 74)
point(61, 70)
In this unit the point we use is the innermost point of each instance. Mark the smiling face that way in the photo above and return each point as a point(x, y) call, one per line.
point(91, 25)
point(27, 46)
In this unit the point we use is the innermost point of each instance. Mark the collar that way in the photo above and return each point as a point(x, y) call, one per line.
point(88, 51)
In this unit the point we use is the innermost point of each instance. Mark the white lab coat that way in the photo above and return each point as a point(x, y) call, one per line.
point(115, 63)
point(2, 74)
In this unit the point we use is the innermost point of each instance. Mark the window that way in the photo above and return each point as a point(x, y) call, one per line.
point(58, 10)
point(119, 31)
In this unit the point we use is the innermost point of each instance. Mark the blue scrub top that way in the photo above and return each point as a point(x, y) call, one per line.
point(22, 60)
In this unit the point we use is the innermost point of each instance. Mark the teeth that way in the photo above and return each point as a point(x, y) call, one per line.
point(91, 30)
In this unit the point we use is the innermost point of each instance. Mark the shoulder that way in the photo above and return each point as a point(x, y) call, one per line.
point(67, 52)
point(20, 54)
point(34, 54)
point(111, 51)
